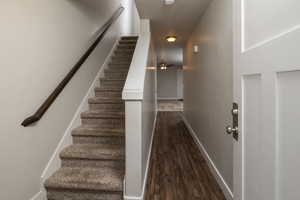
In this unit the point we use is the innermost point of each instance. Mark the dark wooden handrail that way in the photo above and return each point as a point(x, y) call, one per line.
point(48, 102)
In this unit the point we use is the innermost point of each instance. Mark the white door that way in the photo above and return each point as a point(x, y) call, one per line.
point(267, 89)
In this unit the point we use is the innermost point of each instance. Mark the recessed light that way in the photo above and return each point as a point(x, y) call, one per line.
point(171, 38)
point(169, 2)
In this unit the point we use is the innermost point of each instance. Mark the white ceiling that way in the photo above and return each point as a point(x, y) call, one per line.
point(178, 19)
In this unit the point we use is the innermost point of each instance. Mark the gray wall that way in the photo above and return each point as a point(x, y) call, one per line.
point(208, 84)
point(169, 84)
point(180, 85)
point(40, 41)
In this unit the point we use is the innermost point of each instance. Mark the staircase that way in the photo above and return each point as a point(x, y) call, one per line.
point(93, 166)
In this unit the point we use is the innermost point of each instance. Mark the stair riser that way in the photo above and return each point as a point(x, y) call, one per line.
point(118, 62)
point(107, 86)
point(115, 86)
point(98, 140)
point(116, 75)
point(122, 71)
point(124, 53)
point(126, 47)
point(105, 123)
point(116, 164)
point(113, 95)
point(119, 67)
point(128, 42)
point(121, 58)
point(134, 38)
point(112, 84)
point(82, 195)
point(107, 107)
point(130, 37)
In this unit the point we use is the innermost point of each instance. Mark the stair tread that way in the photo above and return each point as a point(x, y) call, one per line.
point(126, 45)
point(126, 37)
point(99, 140)
point(119, 87)
point(123, 71)
point(98, 100)
point(94, 152)
point(123, 55)
point(96, 114)
point(128, 56)
point(112, 79)
point(119, 65)
point(108, 89)
point(127, 41)
point(124, 51)
point(83, 178)
point(97, 131)
point(120, 62)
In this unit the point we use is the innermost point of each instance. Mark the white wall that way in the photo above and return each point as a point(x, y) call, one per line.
point(131, 20)
point(208, 87)
point(136, 20)
point(40, 41)
point(149, 108)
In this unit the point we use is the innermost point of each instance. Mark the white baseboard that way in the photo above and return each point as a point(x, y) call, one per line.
point(147, 166)
point(55, 162)
point(218, 176)
point(39, 196)
point(133, 198)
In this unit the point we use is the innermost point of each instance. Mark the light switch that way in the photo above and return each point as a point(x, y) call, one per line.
point(196, 49)
point(169, 2)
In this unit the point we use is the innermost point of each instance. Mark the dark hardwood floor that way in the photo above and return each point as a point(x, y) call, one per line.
point(178, 171)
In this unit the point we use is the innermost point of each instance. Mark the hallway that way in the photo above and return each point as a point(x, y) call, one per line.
point(177, 169)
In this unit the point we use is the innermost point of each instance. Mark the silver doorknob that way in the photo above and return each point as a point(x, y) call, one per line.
point(235, 111)
point(231, 130)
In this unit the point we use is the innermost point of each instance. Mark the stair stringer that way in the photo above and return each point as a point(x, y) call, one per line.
point(55, 162)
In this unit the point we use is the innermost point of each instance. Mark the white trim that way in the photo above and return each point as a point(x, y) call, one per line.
point(39, 196)
point(134, 85)
point(147, 166)
point(133, 94)
point(218, 176)
point(271, 39)
point(55, 162)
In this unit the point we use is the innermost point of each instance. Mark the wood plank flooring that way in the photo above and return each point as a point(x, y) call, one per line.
point(178, 171)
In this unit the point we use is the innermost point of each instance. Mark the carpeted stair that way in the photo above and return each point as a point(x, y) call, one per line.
point(93, 167)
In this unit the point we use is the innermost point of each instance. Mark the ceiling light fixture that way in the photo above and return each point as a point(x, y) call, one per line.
point(169, 2)
point(171, 38)
point(163, 66)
